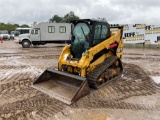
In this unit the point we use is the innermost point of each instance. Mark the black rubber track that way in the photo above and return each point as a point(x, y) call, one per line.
point(93, 76)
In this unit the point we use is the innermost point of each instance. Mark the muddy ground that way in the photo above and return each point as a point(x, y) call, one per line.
point(135, 96)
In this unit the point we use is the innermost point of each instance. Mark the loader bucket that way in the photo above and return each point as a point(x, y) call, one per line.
point(63, 86)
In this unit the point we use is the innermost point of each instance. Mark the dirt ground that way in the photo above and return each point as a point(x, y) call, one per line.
point(135, 96)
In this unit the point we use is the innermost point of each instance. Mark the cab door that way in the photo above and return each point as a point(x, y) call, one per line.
point(35, 35)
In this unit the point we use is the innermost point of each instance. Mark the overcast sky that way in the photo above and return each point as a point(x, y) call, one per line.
point(115, 11)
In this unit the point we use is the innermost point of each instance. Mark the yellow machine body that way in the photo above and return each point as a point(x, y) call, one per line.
point(74, 77)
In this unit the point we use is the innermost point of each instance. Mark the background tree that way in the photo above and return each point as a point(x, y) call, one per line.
point(16, 25)
point(67, 18)
point(56, 19)
point(70, 16)
point(24, 25)
point(9, 27)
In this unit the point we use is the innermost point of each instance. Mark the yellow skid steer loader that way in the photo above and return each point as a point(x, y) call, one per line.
point(91, 60)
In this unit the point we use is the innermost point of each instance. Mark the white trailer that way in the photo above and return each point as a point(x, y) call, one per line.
point(44, 33)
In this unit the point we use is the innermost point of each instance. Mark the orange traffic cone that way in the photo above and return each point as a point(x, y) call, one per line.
point(1, 39)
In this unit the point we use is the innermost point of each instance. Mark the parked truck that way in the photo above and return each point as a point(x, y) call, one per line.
point(20, 31)
point(45, 32)
point(4, 34)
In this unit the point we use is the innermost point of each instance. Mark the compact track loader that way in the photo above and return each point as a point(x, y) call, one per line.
point(91, 60)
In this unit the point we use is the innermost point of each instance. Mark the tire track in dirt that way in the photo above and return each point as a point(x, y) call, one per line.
point(19, 75)
point(38, 106)
point(15, 67)
point(27, 92)
point(134, 83)
point(143, 58)
point(17, 72)
point(133, 54)
point(141, 54)
point(115, 105)
point(32, 51)
point(17, 82)
point(109, 96)
point(14, 86)
point(20, 89)
point(49, 111)
point(43, 57)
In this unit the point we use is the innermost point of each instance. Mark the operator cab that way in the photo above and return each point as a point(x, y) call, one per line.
point(87, 33)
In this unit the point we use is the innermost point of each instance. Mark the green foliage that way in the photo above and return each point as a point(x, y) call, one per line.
point(24, 26)
point(70, 16)
point(67, 18)
point(56, 19)
point(10, 27)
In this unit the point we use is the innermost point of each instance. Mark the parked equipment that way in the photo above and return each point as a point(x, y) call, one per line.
point(91, 60)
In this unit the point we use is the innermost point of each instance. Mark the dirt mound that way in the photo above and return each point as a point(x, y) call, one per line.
point(135, 82)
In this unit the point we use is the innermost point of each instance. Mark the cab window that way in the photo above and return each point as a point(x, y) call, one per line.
point(34, 31)
point(101, 32)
